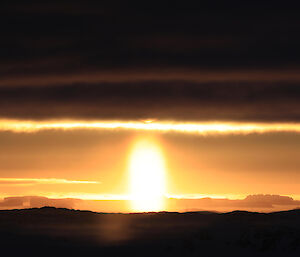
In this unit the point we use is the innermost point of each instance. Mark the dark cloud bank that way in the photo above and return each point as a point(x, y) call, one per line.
point(164, 100)
point(44, 41)
point(62, 36)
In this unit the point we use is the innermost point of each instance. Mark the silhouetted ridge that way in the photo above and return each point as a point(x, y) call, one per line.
point(51, 231)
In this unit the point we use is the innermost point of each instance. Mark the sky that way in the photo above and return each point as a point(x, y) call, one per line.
point(213, 90)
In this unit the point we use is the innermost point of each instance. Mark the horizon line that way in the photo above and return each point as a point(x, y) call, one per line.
point(127, 197)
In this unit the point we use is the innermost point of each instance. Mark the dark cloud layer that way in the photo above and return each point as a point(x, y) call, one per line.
point(242, 101)
point(88, 35)
point(59, 38)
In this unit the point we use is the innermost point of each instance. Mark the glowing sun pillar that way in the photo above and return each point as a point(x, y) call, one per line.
point(147, 177)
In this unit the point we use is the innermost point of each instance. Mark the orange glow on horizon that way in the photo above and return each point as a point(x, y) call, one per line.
point(119, 172)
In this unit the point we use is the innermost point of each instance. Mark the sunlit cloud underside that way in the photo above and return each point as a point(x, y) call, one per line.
point(24, 126)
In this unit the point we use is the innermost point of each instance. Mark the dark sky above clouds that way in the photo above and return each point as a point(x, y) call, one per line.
point(114, 60)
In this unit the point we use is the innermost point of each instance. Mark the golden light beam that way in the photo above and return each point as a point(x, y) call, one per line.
point(147, 176)
point(202, 128)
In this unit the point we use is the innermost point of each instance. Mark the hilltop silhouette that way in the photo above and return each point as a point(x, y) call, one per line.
point(256, 203)
point(50, 231)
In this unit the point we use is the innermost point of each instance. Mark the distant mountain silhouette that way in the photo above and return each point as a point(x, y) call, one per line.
point(49, 231)
point(259, 202)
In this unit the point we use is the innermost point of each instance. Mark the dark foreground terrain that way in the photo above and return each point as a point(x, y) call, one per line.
point(61, 232)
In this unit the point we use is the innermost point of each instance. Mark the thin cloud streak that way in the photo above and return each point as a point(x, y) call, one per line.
point(34, 181)
point(121, 76)
point(205, 128)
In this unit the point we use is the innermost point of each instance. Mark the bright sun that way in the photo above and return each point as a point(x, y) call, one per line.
point(147, 177)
